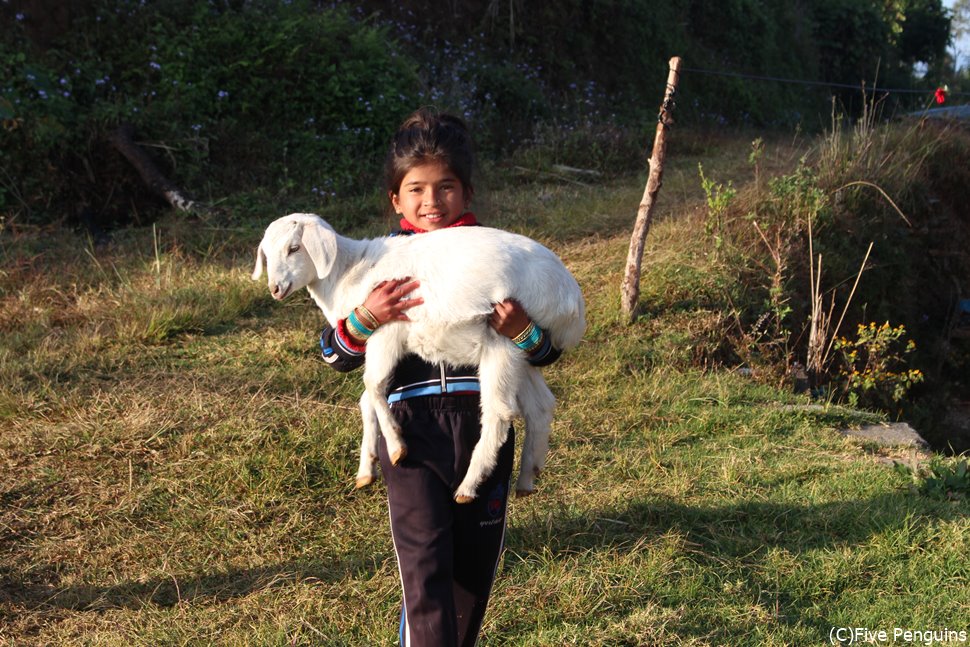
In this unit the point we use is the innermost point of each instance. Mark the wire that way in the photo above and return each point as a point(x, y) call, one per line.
point(758, 77)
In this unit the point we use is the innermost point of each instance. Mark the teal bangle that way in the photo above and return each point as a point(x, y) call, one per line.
point(362, 330)
point(526, 332)
point(529, 339)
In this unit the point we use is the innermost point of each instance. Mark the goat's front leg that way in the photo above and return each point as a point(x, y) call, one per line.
point(384, 349)
point(366, 472)
point(499, 375)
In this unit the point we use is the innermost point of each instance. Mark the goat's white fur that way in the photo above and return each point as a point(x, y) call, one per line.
point(536, 406)
point(463, 272)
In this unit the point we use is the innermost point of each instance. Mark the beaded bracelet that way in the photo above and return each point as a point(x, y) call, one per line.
point(368, 317)
point(358, 329)
point(529, 339)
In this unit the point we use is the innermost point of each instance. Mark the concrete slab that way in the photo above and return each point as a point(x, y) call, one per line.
point(896, 434)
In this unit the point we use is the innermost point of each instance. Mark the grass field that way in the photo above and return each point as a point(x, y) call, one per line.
point(176, 463)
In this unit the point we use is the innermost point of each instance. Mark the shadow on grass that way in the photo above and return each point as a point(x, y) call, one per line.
point(733, 540)
point(174, 590)
point(742, 532)
point(735, 530)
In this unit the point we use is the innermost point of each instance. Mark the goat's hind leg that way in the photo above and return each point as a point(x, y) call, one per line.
point(366, 471)
point(536, 405)
point(499, 374)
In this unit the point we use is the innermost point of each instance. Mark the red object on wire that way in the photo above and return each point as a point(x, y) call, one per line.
point(940, 95)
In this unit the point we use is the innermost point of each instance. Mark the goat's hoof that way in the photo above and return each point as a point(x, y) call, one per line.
point(461, 498)
point(521, 493)
point(399, 456)
point(363, 481)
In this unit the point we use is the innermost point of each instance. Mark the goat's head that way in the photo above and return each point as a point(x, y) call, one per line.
point(297, 249)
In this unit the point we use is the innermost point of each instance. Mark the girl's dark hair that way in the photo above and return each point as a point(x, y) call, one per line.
point(428, 136)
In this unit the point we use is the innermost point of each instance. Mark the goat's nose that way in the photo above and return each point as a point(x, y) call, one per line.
point(276, 289)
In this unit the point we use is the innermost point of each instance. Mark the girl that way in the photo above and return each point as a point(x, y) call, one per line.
point(447, 553)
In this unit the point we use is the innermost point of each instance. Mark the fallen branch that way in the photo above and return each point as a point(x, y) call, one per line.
point(557, 176)
point(562, 168)
point(123, 139)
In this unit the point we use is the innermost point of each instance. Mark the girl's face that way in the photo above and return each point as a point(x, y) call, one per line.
point(431, 197)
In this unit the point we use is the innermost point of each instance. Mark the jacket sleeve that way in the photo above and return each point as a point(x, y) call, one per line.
point(339, 350)
point(342, 354)
point(546, 354)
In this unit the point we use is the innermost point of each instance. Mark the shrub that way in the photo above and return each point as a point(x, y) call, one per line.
point(944, 479)
point(873, 370)
point(272, 93)
point(890, 185)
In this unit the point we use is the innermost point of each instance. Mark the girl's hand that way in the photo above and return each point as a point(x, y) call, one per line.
point(509, 318)
point(387, 303)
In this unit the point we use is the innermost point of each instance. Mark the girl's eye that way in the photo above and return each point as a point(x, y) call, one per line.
point(294, 249)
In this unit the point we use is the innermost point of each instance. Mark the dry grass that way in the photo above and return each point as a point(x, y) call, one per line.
point(176, 464)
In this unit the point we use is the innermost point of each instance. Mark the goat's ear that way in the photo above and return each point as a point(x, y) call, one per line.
point(260, 260)
point(320, 242)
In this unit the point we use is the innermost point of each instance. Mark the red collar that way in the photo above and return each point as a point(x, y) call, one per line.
point(466, 219)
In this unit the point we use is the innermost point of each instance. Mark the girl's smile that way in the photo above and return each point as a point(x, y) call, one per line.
point(431, 197)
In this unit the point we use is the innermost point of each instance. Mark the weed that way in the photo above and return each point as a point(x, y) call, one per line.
point(719, 198)
point(944, 479)
point(755, 158)
point(873, 369)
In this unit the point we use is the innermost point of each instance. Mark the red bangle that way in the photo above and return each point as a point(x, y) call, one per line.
point(348, 339)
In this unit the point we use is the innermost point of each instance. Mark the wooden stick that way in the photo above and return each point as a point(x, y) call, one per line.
point(631, 280)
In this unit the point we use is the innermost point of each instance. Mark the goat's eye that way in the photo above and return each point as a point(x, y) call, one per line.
point(294, 249)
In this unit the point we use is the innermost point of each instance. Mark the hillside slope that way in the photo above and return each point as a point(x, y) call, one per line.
point(177, 463)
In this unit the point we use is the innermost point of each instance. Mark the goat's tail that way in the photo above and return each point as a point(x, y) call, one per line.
point(571, 333)
point(567, 330)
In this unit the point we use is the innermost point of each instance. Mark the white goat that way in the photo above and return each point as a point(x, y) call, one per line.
point(463, 272)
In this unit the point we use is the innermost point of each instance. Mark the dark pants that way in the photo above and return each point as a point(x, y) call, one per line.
point(447, 553)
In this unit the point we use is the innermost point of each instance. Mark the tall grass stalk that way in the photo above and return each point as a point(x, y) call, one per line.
point(158, 258)
point(820, 338)
point(874, 154)
point(845, 309)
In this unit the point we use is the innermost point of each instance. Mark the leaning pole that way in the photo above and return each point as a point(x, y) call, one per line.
point(631, 279)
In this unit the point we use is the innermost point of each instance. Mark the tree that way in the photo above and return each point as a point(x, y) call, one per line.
point(925, 32)
point(856, 36)
point(960, 29)
point(960, 19)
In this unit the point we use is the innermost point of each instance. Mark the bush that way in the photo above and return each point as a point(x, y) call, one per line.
point(287, 94)
point(872, 371)
point(272, 93)
point(944, 479)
